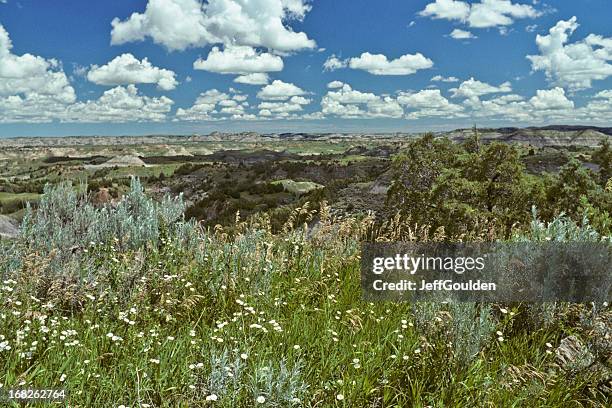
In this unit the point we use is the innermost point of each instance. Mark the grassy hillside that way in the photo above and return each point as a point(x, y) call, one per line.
point(131, 305)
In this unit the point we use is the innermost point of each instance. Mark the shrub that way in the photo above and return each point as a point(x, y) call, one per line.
point(65, 219)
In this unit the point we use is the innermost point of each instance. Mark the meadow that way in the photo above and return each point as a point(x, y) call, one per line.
point(132, 305)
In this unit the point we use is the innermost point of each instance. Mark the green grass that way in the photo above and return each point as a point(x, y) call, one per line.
point(298, 187)
point(196, 314)
point(19, 196)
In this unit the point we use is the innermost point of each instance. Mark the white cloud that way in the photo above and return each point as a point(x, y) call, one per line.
point(493, 13)
point(204, 107)
point(546, 106)
point(378, 64)
point(348, 103)
point(283, 109)
point(333, 63)
point(348, 95)
point(385, 107)
point(214, 105)
point(279, 91)
point(32, 88)
point(440, 78)
point(179, 24)
point(607, 94)
point(428, 103)
point(458, 34)
point(116, 105)
point(126, 69)
point(487, 13)
point(31, 75)
point(253, 79)
point(473, 88)
point(335, 84)
point(574, 65)
point(239, 60)
point(447, 9)
point(120, 104)
point(551, 99)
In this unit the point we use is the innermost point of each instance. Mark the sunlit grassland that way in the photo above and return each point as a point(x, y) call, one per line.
point(154, 311)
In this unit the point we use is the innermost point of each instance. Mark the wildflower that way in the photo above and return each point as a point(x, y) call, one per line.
point(244, 356)
point(339, 397)
point(296, 347)
point(549, 345)
point(261, 399)
point(504, 311)
point(154, 360)
point(417, 351)
point(500, 339)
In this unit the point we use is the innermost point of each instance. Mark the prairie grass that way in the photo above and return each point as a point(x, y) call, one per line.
point(133, 306)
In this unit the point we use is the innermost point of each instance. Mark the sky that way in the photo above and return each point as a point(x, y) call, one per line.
point(131, 67)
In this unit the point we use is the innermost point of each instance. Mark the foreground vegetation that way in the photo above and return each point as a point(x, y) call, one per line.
point(132, 305)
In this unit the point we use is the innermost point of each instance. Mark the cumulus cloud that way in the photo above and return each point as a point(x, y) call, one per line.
point(378, 64)
point(116, 105)
point(458, 34)
point(346, 102)
point(428, 103)
point(214, 105)
point(239, 60)
point(253, 79)
point(333, 63)
point(335, 84)
point(551, 99)
point(32, 88)
point(447, 9)
point(126, 69)
point(473, 88)
point(487, 13)
point(440, 78)
point(285, 109)
point(120, 104)
point(607, 94)
point(30, 75)
point(279, 91)
point(574, 65)
point(231, 22)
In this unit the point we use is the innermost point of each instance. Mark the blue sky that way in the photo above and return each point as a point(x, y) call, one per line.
point(186, 66)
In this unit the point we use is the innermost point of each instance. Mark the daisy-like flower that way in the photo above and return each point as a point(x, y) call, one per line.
point(261, 399)
point(339, 397)
point(212, 397)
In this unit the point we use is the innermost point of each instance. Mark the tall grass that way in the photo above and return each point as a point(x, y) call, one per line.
point(132, 305)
